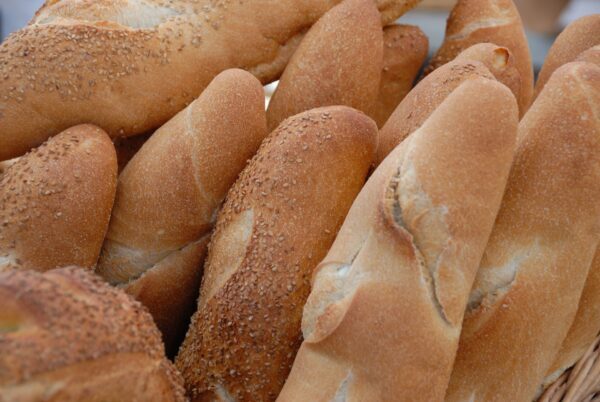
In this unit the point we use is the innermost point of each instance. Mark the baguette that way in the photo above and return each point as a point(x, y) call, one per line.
point(339, 62)
point(128, 66)
point(586, 325)
point(576, 38)
point(493, 21)
point(278, 221)
point(55, 202)
point(4, 165)
point(65, 336)
point(404, 51)
point(383, 319)
point(169, 194)
point(534, 268)
point(418, 105)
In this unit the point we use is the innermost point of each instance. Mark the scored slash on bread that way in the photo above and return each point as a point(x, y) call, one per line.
point(128, 66)
point(482, 60)
point(383, 319)
point(66, 336)
point(339, 62)
point(278, 221)
point(55, 201)
point(169, 194)
point(536, 262)
point(488, 21)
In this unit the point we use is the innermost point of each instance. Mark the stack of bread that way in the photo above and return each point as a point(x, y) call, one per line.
point(375, 234)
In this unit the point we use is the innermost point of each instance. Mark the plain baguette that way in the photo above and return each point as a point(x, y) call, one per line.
point(55, 202)
point(586, 325)
point(66, 336)
point(383, 319)
point(128, 66)
point(488, 21)
point(169, 194)
point(483, 61)
point(533, 271)
point(576, 38)
point(339, 62)
point(277, 223)
point(404, 51)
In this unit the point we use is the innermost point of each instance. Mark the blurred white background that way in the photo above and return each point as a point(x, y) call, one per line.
point(544, 19)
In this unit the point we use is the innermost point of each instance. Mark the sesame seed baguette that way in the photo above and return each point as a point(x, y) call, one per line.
point(277, 223)
point(4, 165)
point(383, 319)
point(533, 271)
point(586, 325)
point(55, 201)
point(128, 66)
point(576, 38)
point(339, 62)
point(488, 21)
point(169, 194)
point(66, 336)
point(479, 61)
point(404, 51)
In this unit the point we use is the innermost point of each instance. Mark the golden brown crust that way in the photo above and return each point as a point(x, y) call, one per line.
point(488, 21)
point(585, 327)
point(533, 271)
point(55, 202)
point(576, 38)
point(66, 335)
point(169, 194)
point(422, 101)
point(404, 51)
point(129, 66)
point(592, 55)
point(339, 62)
point(383, 319)
point(278, 221)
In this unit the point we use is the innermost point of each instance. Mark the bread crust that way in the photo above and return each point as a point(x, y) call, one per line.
point(169, 194)
point(339, 62)
point(278, 221)
point(533, 271)
point(404, 51)
point(128, 66)
point(55, 202)
point(383, 319)
point(65, 335)
point(488, 21)
point(576, 38)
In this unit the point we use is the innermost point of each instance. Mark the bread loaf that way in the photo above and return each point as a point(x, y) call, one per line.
point(586, 325)
point(533, 271)
point(128, 66)
point(576, 38)
point(404, 51)
point(383, 319)
point(4, 165)
point(55, 202)
point(339, 62)
point(278, 221)
point(492, 21)
point(418, 105)
point(169, 194)
point(65, 336)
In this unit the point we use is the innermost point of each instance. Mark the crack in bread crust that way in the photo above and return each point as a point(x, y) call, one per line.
point(394, 198)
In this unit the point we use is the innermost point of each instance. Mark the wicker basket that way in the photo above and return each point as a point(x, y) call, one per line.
point(581, 383)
